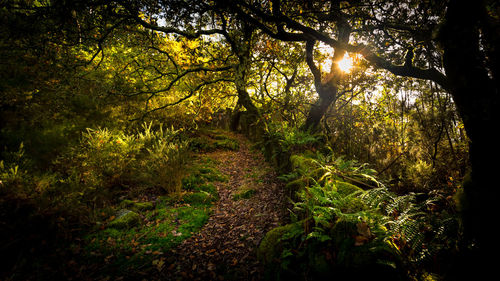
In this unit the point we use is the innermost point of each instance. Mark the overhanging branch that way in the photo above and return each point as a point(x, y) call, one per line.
point(182, 99)
point(264, 20)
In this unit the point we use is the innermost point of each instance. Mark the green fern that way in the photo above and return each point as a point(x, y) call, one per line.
point(338, 195)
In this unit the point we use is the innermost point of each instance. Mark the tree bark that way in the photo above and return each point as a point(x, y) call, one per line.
point(327, 88)
point(476, 96)
point(242, 48)
point(327, 95)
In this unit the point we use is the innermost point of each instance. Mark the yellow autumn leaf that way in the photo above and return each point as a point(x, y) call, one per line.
point(192, 44)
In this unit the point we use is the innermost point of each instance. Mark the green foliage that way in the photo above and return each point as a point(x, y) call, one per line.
point(291, 138)
point(136, 206)
point(132, 246)
point(228, 144)
point(140, 232)
point(11, 175)
point(198, 198)
point(199, 184)
point(346, 228)
point(66, 68)
point(408, 130)
point(421, 228)
point(281, 142)
point(211, 140)
point(275, 242)
point(149, 159)
point(105, 164)
point(320, 168)
point(201, 177)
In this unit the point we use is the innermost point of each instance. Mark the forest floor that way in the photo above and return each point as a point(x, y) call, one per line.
point(251, 202)
point(231, 197)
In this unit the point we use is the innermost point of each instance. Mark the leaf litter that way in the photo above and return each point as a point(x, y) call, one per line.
point(225, 248)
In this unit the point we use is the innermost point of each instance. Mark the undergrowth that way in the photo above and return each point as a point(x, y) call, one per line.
point(210, 140)
point(281, 142)
point(348, 224)
point(147, 175)
point(173, 219)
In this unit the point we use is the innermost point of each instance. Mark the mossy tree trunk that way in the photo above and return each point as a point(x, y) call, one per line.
point(242, 47)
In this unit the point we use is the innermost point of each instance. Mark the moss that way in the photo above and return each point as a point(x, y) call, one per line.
point(211, 140)
point(168, 223)
point(206, 170)
point(214, 176)
point(345, 188)
point(198, 198)
point(200, 174)
point(271, 246)
point(125, 219)
point(227, 144)
point(353, 205)
point(297, 185)
point(136, 206)
point(202, 143)
point(372, 259)
point(191, 182)
point(209, 187)
point(317, 173)
point(343, 232)
point(244, 194)
point(220, 137)
point(192, 219)
point(354, 260)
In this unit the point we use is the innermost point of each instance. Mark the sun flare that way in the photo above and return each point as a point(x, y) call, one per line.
point(346, 63)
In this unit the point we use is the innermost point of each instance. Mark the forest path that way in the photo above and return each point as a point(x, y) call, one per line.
point(225, 248)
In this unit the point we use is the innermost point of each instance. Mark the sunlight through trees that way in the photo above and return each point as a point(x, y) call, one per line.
point(377, 116)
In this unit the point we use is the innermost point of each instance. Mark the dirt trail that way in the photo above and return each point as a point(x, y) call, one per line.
point(225, 248)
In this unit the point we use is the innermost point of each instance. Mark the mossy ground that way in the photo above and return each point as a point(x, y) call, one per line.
point(164, 224)
point(199, 233)
point(211, 140)
point(244, 192)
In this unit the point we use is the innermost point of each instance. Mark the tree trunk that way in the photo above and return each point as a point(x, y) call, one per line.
point(476, 96)
point(327, 87)
point(327, 95)
point(242, 48)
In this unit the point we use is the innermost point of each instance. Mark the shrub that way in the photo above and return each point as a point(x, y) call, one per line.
point(13, 174)
point(211, 140)
point(348, 230)
point(149, 159)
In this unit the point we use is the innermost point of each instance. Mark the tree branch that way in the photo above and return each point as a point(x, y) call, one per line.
point(260, 19)
point(189, 95)
point(310, 62)
point(404, 70)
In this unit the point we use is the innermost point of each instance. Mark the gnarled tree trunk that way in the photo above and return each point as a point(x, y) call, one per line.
point(327, 95)
point(326, 87)
point(242, 47)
